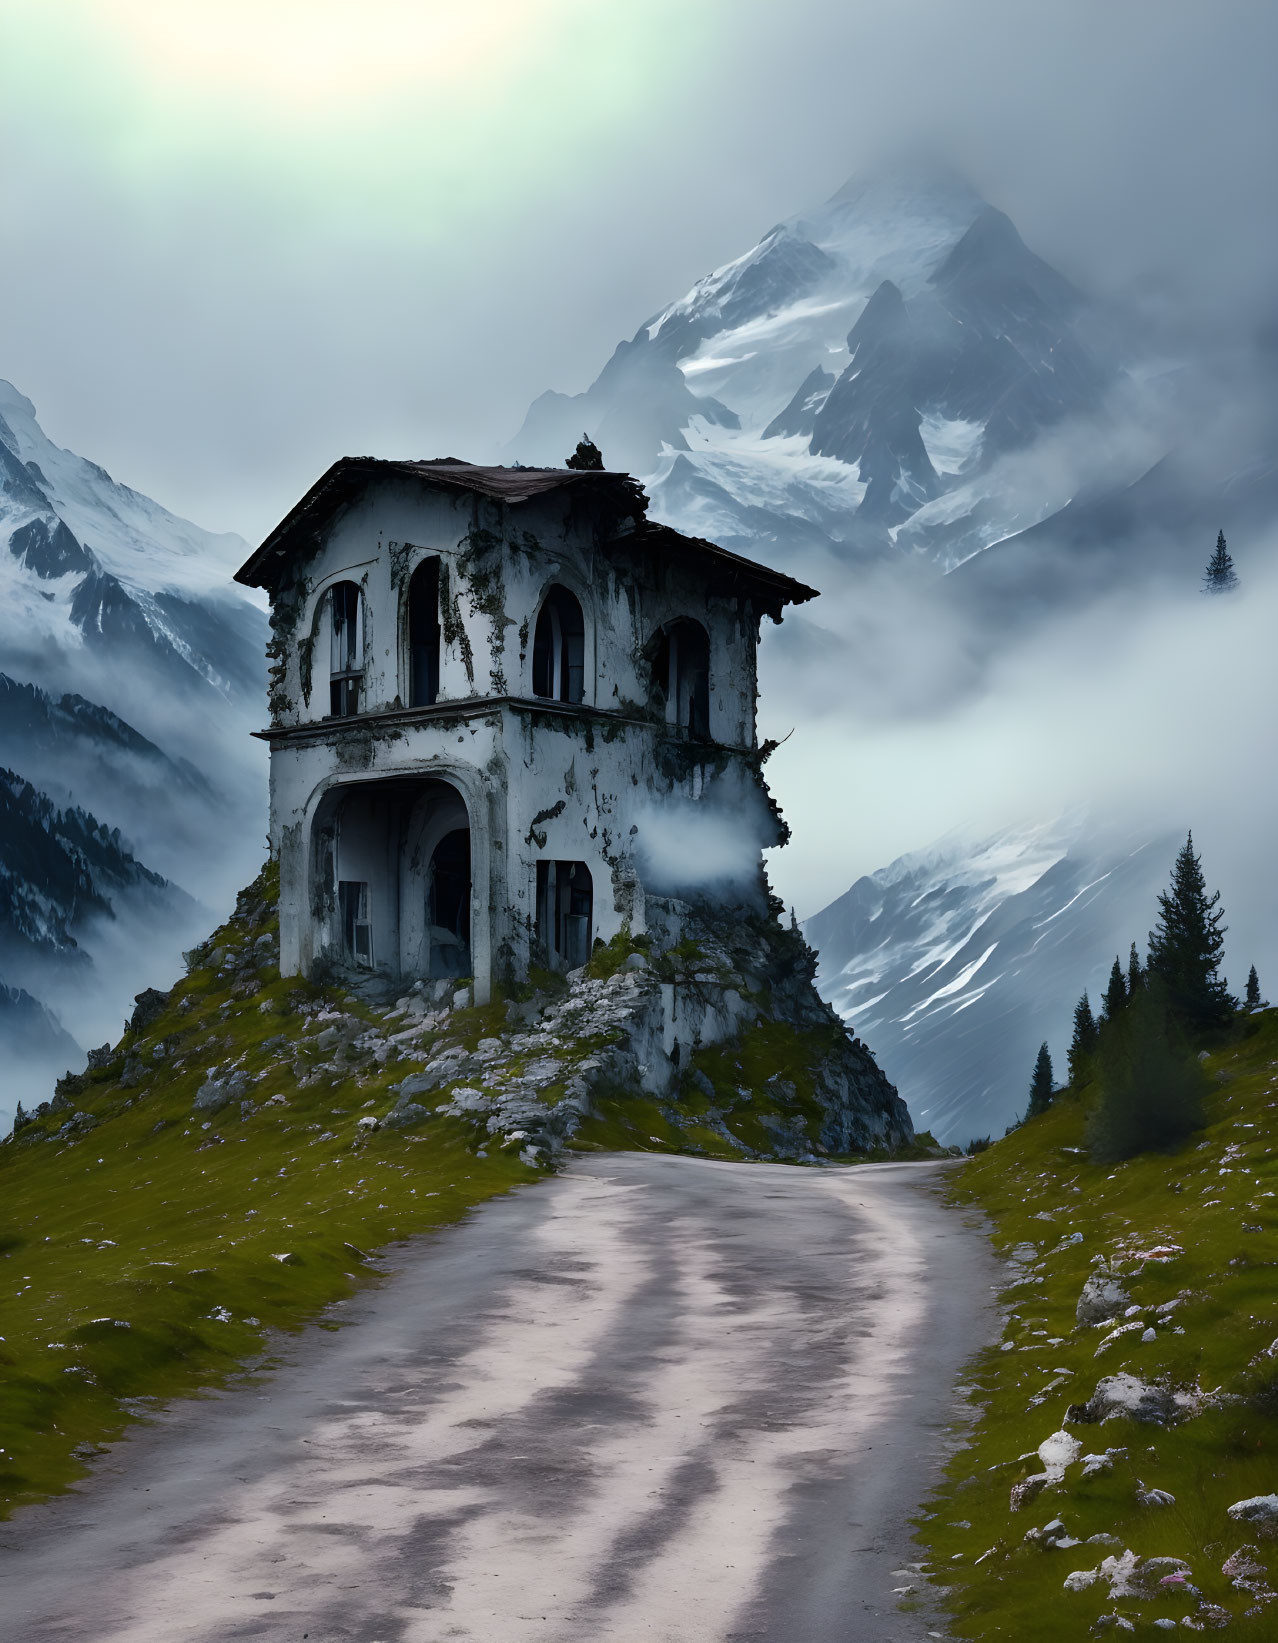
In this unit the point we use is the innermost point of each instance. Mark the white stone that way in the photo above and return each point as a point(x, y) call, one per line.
point(1059, 1451)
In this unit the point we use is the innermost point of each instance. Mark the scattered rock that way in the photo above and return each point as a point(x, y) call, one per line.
point(1029, 1489)
point(405, 1114)
point(215, 1093)
point(1244, 1570)
point(1102, 1298)
point(1153, 1497)
point(1261, 1510)
point(148, 1006)
point(1116, 1335)
point(80, 1123)
point(1127, 1397)
point(465, 1100)
point(1058, 1452)
point(1094, 1465)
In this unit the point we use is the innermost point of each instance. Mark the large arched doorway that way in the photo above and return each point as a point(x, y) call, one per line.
point(392, 879)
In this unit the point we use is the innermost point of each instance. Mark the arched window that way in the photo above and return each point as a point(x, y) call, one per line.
point(423, 634)
point(559, 648)
point(346, 648)
point(681, 676)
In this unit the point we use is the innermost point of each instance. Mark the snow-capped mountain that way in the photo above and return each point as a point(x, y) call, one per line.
point(955, 963)
point(132, 671)
point(92, 572)
point(860, 382)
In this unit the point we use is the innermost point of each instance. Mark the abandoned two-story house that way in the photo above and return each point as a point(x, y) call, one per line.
point(481, 678)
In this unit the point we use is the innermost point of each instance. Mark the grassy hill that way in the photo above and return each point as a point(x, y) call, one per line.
point(1096, 1488)
point(218, 1174)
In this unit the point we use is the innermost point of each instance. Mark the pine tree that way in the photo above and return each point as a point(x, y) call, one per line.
point(1135, 972)
point(587, 455)
point(20, 1119)
point(1151, 1087)
point(1041, 1084)
point(1220, 577)
point(1186, 949)
point(1253, 989)
point(1115, 993)
point(1083, 1044)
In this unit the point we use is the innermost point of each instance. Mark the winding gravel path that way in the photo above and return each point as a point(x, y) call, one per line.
point(654, 1398)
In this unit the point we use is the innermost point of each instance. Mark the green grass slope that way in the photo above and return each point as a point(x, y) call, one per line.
point(1191, 1350)
point(145, 1247)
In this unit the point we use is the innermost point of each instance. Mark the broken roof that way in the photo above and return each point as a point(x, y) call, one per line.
point(301, 526)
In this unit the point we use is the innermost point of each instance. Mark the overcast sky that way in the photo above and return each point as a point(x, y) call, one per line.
point(244, 237)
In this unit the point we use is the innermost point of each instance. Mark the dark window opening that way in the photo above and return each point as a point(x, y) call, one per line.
point(423, 634)
point(559, 648)
point(681, 677)
point(565, 912)
point(357, 931)
point(346, 649)
point(449, 906)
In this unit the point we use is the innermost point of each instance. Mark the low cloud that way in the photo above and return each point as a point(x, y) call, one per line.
point(703, 845)
point(1150, 710)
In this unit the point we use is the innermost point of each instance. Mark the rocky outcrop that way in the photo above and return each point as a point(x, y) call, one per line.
point(718, 1026)
point(711, 1019)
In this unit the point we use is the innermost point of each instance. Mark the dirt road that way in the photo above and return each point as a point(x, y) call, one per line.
point(654, 1398)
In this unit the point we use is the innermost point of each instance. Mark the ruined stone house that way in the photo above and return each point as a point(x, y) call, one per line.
point(481, 679)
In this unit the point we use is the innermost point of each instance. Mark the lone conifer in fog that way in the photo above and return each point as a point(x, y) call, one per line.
point(1220, 576)
point(1041, 1084)
point(1186, 947)
point(1083, 1044)
point(1253, 988)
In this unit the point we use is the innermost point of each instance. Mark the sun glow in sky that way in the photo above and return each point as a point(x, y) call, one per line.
point(315, 52)
point(389, 110)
